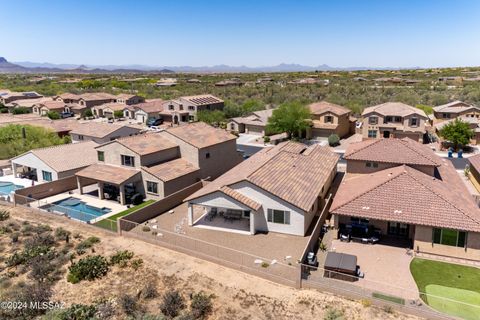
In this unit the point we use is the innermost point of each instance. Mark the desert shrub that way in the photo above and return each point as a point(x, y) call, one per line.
point(333, 140)
point(41, 228)
point(265, 265)
point(387, 309)
point(86, 244)
point(201, 305)
point(172, 303)
point(186, 316)
point(27, 229)
point(121, 258)
point(146, 229)
point(15, 236)
point(62, 234)
point(149, 291)
point(88, 268)
point(366, 303)
point(266, 139)
point(27, 254)
point(20, 110)
point(42, 268)
point(334, 314)
point(4, 215)
point(5, 230)
point(78, 312)
point(87, 113)
point(154, 317)
point(105, 309)
point(136, 264)
point(128, 304)
point(40, 240)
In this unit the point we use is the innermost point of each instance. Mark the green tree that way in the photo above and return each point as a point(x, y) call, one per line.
point(87, 113)
point(292, 118)
point(118, 114)
point(53, 115)
point(457, 132)
point(211, 117)
point(13, 143)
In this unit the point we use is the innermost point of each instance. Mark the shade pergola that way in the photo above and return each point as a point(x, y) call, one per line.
point(103, 173)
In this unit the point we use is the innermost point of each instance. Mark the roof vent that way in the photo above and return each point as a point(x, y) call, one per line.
point(365, 208)
point(397, 211)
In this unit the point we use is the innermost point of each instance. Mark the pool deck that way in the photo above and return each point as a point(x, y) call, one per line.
point(88, 199)
point(19, 181)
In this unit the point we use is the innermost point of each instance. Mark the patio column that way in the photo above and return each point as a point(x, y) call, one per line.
point(190, 214)
point(101, 195)
point(252, 223)
point(79, 185)
point(14, 169)
point(122, 194)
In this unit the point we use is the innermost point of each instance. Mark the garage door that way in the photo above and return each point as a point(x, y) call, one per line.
point(254, 130)
point(141, 118)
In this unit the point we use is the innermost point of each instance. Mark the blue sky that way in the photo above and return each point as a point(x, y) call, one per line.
point(340, 33)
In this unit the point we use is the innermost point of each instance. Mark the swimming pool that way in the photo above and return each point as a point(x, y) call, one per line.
point(77, 209)
point(7, 187)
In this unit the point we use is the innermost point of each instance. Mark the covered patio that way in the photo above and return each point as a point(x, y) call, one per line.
point(232, 212)
point(113, 182)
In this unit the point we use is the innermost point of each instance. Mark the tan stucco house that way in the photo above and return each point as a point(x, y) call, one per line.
point(394, 120)
point(406, 191)
point(454, 110)
point(329, 118)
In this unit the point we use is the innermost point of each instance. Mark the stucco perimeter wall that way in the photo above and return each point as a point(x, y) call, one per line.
point(423, 243)
point(48, 189)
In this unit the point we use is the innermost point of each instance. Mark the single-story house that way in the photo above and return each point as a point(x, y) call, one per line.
point(406, 191)
point(53, 163)
point(147, 110)
point(101, 132)
point(255, 123)
point(279, 189)
point(107, 110)
point(45, 107)
point(129, 99)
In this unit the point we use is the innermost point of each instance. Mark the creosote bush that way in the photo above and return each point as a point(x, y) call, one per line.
point(88, 268)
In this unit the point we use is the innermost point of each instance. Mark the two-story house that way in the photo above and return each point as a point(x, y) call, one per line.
point(156, 165)
point(129, 99)
point(184, 109)
point(402, 189)
point(329, 118)
point(453, 110)
point(255, 123)
point(394, 120)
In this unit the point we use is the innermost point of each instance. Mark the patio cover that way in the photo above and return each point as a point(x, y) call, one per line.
point(341, 262)
point(107, 173)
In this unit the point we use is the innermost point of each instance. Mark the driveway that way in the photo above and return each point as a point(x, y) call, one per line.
point(386, 268)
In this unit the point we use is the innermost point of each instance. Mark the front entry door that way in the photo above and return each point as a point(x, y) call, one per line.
point(398, 229)
point(386, 134)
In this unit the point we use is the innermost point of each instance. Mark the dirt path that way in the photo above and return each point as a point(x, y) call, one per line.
point(238, 295)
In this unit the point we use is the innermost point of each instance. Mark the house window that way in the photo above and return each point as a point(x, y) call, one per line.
point(372, 120)
point(152, 187)
point(232, 126)
point(207, 155)
point(388, 119)
point(372, 165)
point(47, 176)
point(128, 161)
point(278, 216)
point(449, 237)
point(414, 122)
point(446, 115)
point(101, 155)
point(171, 107)
point(372, 133)
point(80, 137)
point(328, 119)
point(398, 119)
point(191, 108)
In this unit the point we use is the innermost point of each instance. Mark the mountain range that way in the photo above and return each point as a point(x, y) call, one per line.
point(35, 67)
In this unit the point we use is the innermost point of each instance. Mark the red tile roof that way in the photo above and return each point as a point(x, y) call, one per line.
point(397, 151)
point(171, 170)
point(200, 134)
point(324, 106)
point(406, 195)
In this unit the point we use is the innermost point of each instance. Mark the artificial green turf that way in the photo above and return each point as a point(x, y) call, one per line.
point(110, 223)
point(388, 298)
point(452, 281)
point(465, 310)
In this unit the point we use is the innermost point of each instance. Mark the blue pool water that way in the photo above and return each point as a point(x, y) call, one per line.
point(8, 187)
point(79, 210)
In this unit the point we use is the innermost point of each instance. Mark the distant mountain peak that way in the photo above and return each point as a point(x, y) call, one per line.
point(3, 60)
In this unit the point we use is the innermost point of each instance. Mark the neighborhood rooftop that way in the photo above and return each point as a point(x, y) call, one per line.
point(290, 171)
point(146, 143)
point(95, 129)
point(324, 106)
point(454, 106)
point(202, 99)
point(413, 197)
point(394, 109)
point(67, 157)
point(172, 169)
point(395, 151)
point(200, 134)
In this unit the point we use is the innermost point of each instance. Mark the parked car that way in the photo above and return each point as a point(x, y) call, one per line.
point(154, 122)
point(64, 115)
